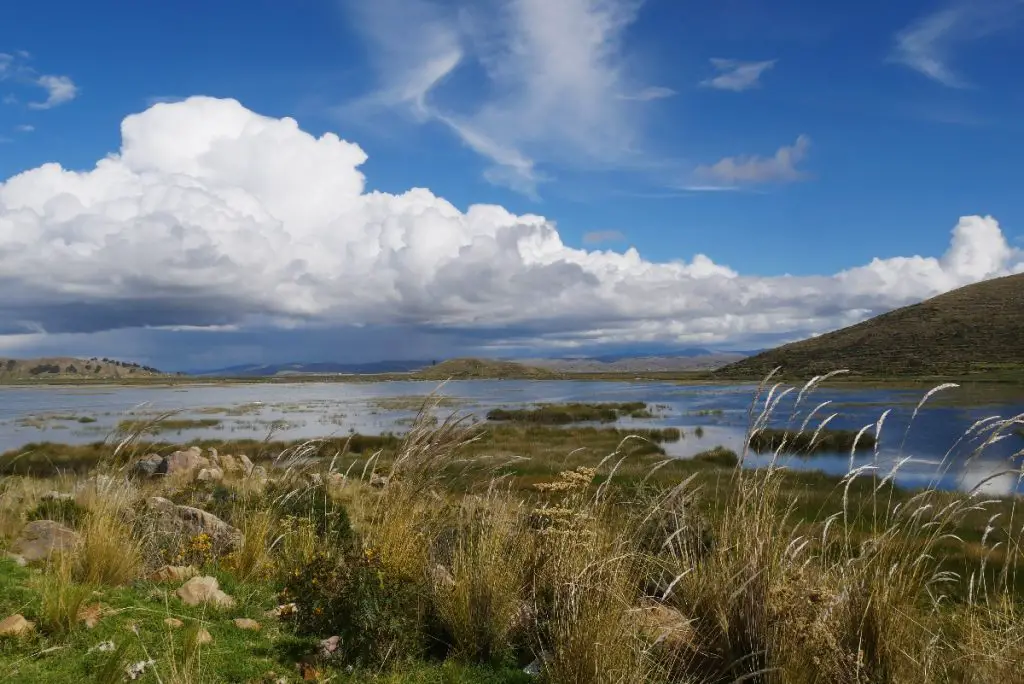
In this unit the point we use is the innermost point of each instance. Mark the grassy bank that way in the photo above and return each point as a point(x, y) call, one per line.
point(462, 553)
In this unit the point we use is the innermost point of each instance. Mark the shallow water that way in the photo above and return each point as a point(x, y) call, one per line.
point(307, 410)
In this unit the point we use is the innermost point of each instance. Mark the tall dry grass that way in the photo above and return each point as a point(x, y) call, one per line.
point(669, 588)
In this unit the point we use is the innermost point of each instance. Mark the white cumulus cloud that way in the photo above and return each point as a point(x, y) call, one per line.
point(213, 216)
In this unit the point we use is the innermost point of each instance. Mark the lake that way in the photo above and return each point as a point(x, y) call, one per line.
point(307, 410)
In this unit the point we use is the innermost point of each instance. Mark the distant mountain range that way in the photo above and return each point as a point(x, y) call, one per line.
point(683, 359)
point(320, 368)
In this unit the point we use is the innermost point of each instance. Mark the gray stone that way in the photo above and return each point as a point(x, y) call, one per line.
point(210, 475)
point(41, 538)
point(184, 462)
point(186, 520)
point(148, 465)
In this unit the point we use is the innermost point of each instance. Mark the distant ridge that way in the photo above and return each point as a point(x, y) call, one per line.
point(70, 368)
point(466, 369)
point(977, 329)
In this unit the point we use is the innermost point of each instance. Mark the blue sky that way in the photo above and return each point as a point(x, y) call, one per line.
point(801, 139)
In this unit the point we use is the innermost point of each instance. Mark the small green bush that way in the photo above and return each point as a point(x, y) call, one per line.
point(314, 502)
point(65, 511)
point(380, 620)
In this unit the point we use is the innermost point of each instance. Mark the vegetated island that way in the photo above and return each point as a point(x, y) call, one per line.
point(564, 414)
point(972, 333)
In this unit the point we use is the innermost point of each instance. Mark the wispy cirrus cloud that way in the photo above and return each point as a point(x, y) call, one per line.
point(25, 128)
point(648, 94)
point(732, 172)
point(558, 88)
point(928, 45)
point(737, 75)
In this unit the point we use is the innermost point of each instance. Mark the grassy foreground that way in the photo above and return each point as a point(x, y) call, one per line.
point(452, 554)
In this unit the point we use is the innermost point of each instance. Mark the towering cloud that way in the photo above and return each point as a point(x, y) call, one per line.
point(212, 215)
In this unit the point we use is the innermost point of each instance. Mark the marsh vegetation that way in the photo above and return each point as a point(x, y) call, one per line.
point(461, 552)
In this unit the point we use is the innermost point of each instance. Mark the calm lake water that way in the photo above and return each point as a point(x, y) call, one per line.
point(306, 410)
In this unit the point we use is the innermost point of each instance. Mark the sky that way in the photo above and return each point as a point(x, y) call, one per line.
point(197, 185)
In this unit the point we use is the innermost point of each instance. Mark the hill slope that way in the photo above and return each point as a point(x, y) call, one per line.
point(972, 330)
point(64, 367)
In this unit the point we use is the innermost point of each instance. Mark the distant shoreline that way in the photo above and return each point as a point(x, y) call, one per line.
point(991, 381)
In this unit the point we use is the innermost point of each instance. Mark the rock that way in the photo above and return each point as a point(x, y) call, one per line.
point(247, 623)
point(189, 521)
point(15, 626)
point(665, 625)
point(329, 645)
point(173, 573)
point(90, 615)
point(199, 590)
point(16, 559)
point(282, 611)
point(184, 462)
point(41, 538)
point(378, 481)
point(210, 475)
point(246, 464)
point(54, 495)
point(103, 647)
point(203, 637)
point(533, 669)
point(228, 464)
point(136, 670)
point(174, 623)
point(147, 466)
point(441, 577)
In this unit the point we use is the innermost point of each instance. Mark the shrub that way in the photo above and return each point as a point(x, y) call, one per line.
point(380, 620)
point(313, 502)
point(65, 511)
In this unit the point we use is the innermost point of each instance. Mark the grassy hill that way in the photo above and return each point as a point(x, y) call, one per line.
point(974, 331)
point(465, 369)
point(64, 367)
